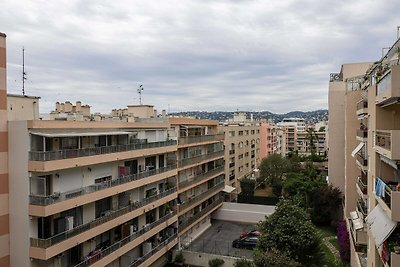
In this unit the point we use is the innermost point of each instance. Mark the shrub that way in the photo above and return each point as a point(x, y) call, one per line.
point(216, 262)
point(179, 257)
point(344, 242)
point(244, 263)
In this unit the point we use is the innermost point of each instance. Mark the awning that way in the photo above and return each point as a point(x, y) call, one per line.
point(358, 148)
point(83, 133)
point(391, 163)
point(228, 189)
point(380, 224)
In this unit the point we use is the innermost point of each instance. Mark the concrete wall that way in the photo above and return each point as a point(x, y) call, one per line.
point(244, 213)
point(22, 107)
point(19, 193)
point(201, 259)
point(4, 190)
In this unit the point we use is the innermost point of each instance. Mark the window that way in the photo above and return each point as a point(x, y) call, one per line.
point(231, 133)
point(240, 133)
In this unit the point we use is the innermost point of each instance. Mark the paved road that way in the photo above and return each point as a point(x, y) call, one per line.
point(218, 239)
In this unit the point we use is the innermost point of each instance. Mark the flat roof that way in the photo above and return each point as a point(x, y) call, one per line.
point(23, 96)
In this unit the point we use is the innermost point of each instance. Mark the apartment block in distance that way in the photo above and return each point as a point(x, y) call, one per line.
point(368, 128)
point(272, 140)
point(242, 149)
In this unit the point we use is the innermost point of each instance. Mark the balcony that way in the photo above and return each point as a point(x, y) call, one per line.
point(231, 152)
point(198, 159)
point(362, 186)
point(201, 177)
point(184, 225)
point(389, 199)
point(362, 207)
point(360, 236)
point(362, 135)
point(58, 197)
point(201, 197)
point(387, 143)
point(394, 259)
point(362, 107)
point(362, 161)
point(388, 87)
point(195, 139)
point(94, 151)
point(232, 164)
point(46, 243)
point(162, 248)
point(129, 239)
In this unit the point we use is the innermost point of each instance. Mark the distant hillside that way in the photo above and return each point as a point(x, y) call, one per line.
point(309, 116)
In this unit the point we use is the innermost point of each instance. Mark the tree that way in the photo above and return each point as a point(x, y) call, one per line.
point(217, 262)
point(290, 231)
point(244, 263)
point(311, 137)
point(248, 186)
point(273, 258)
point(325, 204)
point(272, 171)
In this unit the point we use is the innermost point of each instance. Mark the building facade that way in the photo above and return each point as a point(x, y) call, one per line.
point(363, 136)
point(242, 149)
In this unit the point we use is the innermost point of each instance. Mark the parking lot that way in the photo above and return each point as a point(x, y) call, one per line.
point(218, 239)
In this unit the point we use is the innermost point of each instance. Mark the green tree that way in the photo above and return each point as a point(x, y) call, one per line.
point(273, 258)
point(311, 138)
point(244, 263)
point(325, 204)
point(290, 231)
point(272, 171)
point(248, 186)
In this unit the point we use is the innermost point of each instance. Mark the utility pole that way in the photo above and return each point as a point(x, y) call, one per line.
point(139, 90)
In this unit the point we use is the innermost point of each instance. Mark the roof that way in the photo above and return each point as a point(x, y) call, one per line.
point(23, 96)
point(3, 34)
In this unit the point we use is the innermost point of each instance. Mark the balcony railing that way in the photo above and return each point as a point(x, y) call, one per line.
point(196, 199)
point(197, 216)
point(383, 139)
point(363, 161)
point(200, 139)
point(362, 104)
point(362, 133)
point(145, 257)
point(58, 197)
point(362, 207)
point(386, 196)
point(362, 184)
point(93, 151)
point(45, 243)
point(384, 84)
point(200, 158)
point(117, 245)
point(201, 177)
point(387, 143)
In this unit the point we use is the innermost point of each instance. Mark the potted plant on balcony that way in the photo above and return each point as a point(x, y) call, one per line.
point(179, 259)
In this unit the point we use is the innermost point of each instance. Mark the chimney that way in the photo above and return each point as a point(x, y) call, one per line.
point(163, 113)
point(78, 107)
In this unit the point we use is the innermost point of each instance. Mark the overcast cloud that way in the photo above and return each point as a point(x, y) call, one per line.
point(191, 54)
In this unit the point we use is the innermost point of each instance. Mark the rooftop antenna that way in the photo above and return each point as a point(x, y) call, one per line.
point(23, 71)
point(139, 90)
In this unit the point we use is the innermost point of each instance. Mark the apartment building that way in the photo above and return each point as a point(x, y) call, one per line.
point(242, 149)
point(201, 174)
point(292, 127)
point(4, 178)
point(304, 139)
point(363, 135)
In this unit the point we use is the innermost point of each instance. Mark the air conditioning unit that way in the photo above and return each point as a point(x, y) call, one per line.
point(69, 223)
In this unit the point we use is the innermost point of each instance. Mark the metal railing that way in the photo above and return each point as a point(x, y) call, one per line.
point(185, 140)
point(362, 207)
point(383, 139)
point(362, 104)
point(58, 197)
point(362, 160)
point(362, 185)
point(197, 216)
point(200, 158)
point(387, 196)
point(362, 133)
point(201, 177)
point(201, 196)
point(117, 245)
point(145, 257)
point(46, 243)
point(93, 151)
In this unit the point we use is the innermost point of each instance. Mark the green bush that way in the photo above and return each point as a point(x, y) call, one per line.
point(244, 263)
point(216, 262)
point(179, 257)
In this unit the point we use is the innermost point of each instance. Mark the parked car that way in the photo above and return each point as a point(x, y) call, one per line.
point(246, 242)
point(250, 233)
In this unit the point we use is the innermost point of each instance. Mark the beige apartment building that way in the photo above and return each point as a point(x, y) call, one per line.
point(364, 123)
point(242, 149)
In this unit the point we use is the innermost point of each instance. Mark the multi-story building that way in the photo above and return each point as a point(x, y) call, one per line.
point(201, 174)
point(363, 135)
point(269, 139)
point(292, 127)
point(242, 148)
point(108, 193)
point(4, 178)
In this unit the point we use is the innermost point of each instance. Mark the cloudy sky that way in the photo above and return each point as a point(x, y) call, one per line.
point(191, 54)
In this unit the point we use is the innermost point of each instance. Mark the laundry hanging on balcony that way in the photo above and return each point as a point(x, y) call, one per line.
point(380, 188)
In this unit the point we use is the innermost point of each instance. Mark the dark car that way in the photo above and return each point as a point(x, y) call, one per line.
point(250, 233)
point(246, 242)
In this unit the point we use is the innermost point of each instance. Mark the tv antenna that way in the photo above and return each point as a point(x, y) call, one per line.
point(139, 90)
point(24, 78)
